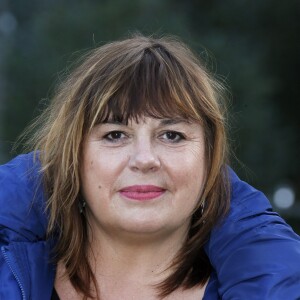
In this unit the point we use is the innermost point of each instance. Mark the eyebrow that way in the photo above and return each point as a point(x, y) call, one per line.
point(173, 121)
point(116, 122)
point(163, 122)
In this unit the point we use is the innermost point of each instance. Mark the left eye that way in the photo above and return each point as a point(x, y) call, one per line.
point(173, 136)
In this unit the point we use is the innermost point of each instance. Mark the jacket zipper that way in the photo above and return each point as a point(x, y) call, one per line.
point(14, 273)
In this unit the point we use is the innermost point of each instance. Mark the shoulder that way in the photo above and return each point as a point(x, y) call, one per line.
point(25, 252)
point(253, 250)
point(22, 214)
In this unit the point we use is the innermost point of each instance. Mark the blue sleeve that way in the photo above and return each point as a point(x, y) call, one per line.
point(22, 203)
point(255, 254)
point(25, 269)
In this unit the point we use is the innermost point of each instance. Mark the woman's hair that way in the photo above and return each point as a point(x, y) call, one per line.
point(127, 79)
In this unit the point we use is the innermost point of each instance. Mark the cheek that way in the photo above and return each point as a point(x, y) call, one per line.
point(187, 167)
point(189, 177)
point(100, 170)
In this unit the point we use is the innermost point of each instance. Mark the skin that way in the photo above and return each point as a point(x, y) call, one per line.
point(133, 242)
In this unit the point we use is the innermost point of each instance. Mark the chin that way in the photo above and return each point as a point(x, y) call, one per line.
point(151, 227)
point(141, 227)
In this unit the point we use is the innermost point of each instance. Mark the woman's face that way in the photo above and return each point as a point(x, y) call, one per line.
point(143, 178)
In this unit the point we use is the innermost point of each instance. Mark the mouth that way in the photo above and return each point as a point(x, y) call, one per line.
point(142, 192)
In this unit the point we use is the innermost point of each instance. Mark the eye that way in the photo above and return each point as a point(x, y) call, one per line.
point(172, 136)
point(114, 136)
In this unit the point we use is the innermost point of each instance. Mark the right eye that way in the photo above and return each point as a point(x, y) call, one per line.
point(114, 136)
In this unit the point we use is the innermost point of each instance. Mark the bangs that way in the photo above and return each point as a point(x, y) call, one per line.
point(155, 85)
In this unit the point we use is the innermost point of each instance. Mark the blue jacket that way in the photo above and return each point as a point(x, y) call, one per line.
point(254, 253)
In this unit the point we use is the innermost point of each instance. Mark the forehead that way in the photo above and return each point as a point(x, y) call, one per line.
point(177, 124)
point(122, 109)
point(147, 119)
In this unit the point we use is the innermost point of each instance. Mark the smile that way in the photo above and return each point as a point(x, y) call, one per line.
point(142, 192)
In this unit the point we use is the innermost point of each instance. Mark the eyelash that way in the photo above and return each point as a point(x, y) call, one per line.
point(178, 138)
point(121, 135)
point(109, 137)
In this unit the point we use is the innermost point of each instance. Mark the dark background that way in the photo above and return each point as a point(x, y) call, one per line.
point(253, 45)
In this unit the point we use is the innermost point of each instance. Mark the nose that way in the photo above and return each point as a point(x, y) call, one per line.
point(144, 157)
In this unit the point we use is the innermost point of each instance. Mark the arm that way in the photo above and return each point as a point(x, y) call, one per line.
point(24, 254)
point(256, 255)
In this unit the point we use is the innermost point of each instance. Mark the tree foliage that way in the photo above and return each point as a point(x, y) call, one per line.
point(255, 47)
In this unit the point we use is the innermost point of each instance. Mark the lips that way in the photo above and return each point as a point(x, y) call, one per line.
point(142, 192)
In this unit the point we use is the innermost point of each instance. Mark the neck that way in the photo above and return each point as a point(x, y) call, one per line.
point(130, 269)
point(146, 258)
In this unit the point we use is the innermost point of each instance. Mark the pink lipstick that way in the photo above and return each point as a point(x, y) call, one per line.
point(142, 192)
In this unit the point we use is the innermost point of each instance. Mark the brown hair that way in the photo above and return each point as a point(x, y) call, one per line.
point(157, 77)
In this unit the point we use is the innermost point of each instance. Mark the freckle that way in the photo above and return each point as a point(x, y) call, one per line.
point(92, 162)
point(99, 186)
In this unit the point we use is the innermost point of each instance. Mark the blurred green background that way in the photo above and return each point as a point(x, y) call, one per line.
point(254, 45)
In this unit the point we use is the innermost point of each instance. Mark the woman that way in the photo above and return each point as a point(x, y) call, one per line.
point(131, 166)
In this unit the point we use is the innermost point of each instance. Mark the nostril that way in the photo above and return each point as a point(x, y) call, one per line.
point(144, 161)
